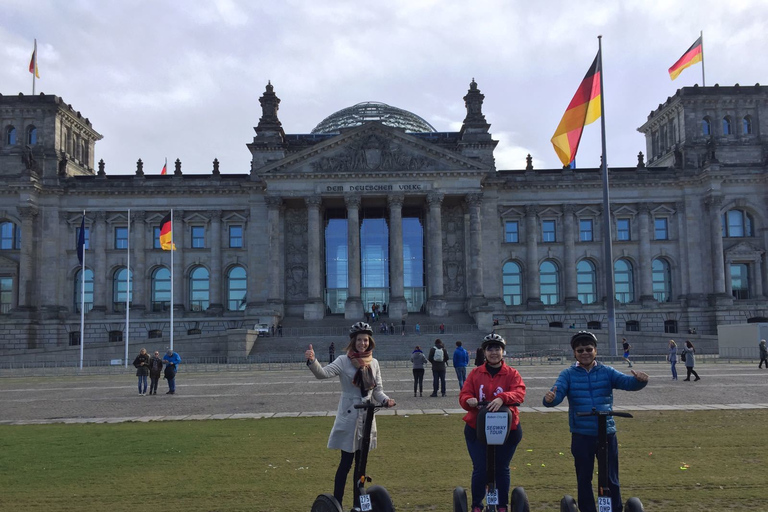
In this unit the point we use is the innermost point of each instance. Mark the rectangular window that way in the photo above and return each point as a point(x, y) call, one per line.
point(121, 238)
point(156, 237)
point(87, 238)
point(511, 232)
point(198, 237)
point(6, 294)
point(622, 230)
point(660, 229)
point(235, 236)
point(585, 230)
point(548, 233)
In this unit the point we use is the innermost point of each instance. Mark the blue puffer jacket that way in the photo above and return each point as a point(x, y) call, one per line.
point(586, 390)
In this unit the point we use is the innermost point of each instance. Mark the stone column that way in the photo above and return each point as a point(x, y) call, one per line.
point(255, 255)
point(436, 305)
point(397, 308)
point(101, 299)
point(353, 308)
point(274, 209)
point(179, 298)
point(474, 203)
point(217, 280)
point(138, 244)
point(644, 255)
point(314, 308)
point(26, 264)
point(757, 266)
point(716, 234)
point(569, 258)
point(532, 256)
point(50, 257)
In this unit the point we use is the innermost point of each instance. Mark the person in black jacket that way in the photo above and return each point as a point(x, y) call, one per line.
point(155, 370)
point(438, 356)
point(142, 370)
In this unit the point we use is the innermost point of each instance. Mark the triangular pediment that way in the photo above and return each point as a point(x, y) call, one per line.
point(7, 264)
point(371, 149)
point(743, 250)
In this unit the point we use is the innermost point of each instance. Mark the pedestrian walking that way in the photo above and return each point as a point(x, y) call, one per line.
point(418, 359)
point(460, 363)
point(672, 358)
point(625, 344)
point(331, 352)
point(438, 357)
point(688, 355)
point(418, 328)
point(155, 370)
point(763, 355)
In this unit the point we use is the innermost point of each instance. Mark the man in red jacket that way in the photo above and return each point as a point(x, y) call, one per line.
point(497, 384)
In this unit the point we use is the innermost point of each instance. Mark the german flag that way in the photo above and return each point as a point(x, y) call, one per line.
point(166, 234)
point(33, 62)
point(693, 55)
point(583, 110)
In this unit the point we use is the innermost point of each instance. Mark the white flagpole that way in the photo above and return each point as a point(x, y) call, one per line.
point(128, 291)
point(34, 68)
point(172, 251)
point(82, 298)
point(703, 80)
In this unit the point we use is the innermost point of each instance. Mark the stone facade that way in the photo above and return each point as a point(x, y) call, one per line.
point(518, 246)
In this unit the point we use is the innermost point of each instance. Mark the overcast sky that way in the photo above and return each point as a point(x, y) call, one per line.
point(182, 79)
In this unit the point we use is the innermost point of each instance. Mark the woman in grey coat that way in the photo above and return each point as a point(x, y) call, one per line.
point(360, 378)
point(688, 355)
point(418, 359)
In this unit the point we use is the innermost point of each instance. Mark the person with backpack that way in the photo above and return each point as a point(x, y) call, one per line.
point(460, 363)
point(497, 384)
point(689, 357)
point(438, 357)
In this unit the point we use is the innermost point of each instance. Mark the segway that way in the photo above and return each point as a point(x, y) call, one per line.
point(604, 503)
point(493, 429)
point(375, 498)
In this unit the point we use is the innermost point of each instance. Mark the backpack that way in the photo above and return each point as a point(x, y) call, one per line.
point(439, 355)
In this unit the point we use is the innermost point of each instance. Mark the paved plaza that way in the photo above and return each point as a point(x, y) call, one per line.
point(294, 391)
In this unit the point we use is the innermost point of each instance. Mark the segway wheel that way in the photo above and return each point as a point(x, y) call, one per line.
point(634, 505)
point(460, 500)
point(380, 499)
point(568, 504)
point(326, 503)
point(520, 500)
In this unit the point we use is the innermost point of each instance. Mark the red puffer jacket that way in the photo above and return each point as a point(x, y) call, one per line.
point(507, 384)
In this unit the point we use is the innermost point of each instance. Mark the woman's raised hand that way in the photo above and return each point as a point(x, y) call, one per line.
point(309, 354)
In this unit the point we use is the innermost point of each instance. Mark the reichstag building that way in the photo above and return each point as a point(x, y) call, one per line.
point(375, 206)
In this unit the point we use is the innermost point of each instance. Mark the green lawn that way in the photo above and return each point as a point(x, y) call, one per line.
point(676, 461)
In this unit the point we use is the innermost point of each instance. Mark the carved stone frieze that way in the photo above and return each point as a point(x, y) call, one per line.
point(454, 278)
point(296, 263)
point(372, 153)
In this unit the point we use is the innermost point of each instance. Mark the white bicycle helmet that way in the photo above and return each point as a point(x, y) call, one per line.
point(360, 328)
point(494, 339)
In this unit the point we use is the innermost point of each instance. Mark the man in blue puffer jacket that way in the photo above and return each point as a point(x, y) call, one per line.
point(589, 384)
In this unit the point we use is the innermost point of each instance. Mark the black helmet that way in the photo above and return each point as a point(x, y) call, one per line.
point(360, 328)
point(583, 338)
point(494, 339)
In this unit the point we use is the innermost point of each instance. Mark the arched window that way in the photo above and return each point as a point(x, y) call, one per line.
point(586, 282)
point(746, 125)
point(624, 281)
point(236, 288)
point(10, 136)
point(549, 283)
point(512, 279)
point(727, 126)
point(31, 135)
point(199, 289)
point(88, 289)
point(122, 284)
point(737, 224)
point(706, 126)
point(662, 280)
point(10, 236)
point(740, 280)
point(161, 289)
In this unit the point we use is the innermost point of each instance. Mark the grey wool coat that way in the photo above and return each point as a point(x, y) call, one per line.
point(347, 431)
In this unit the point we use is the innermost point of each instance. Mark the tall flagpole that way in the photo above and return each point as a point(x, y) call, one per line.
point(610, 295)
point(82, 297)
point(703, 81)
point(34, 67)
point(173, 247)
point(128, 291)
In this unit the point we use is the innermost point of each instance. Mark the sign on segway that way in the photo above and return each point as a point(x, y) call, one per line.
point(365, 502)
point(604, 504)
point(496, 426)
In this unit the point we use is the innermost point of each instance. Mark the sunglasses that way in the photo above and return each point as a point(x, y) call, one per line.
point(588, 350)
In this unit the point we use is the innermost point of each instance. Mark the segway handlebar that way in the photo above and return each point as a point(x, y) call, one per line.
point(485, 403)
point(370, 405)
point(595, 412)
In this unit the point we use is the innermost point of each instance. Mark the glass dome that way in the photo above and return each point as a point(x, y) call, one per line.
point(373, 111)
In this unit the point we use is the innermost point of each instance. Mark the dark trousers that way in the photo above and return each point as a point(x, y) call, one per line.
point(153, 380)
point(584, 450)
point(478, 453)
point(343, 471)
point(763, 360)
point(418, 380)
point(690, 370)
point(438, 377)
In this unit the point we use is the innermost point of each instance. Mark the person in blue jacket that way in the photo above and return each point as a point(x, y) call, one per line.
point(171, 360)
point(589, 384)
point(460, 362)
